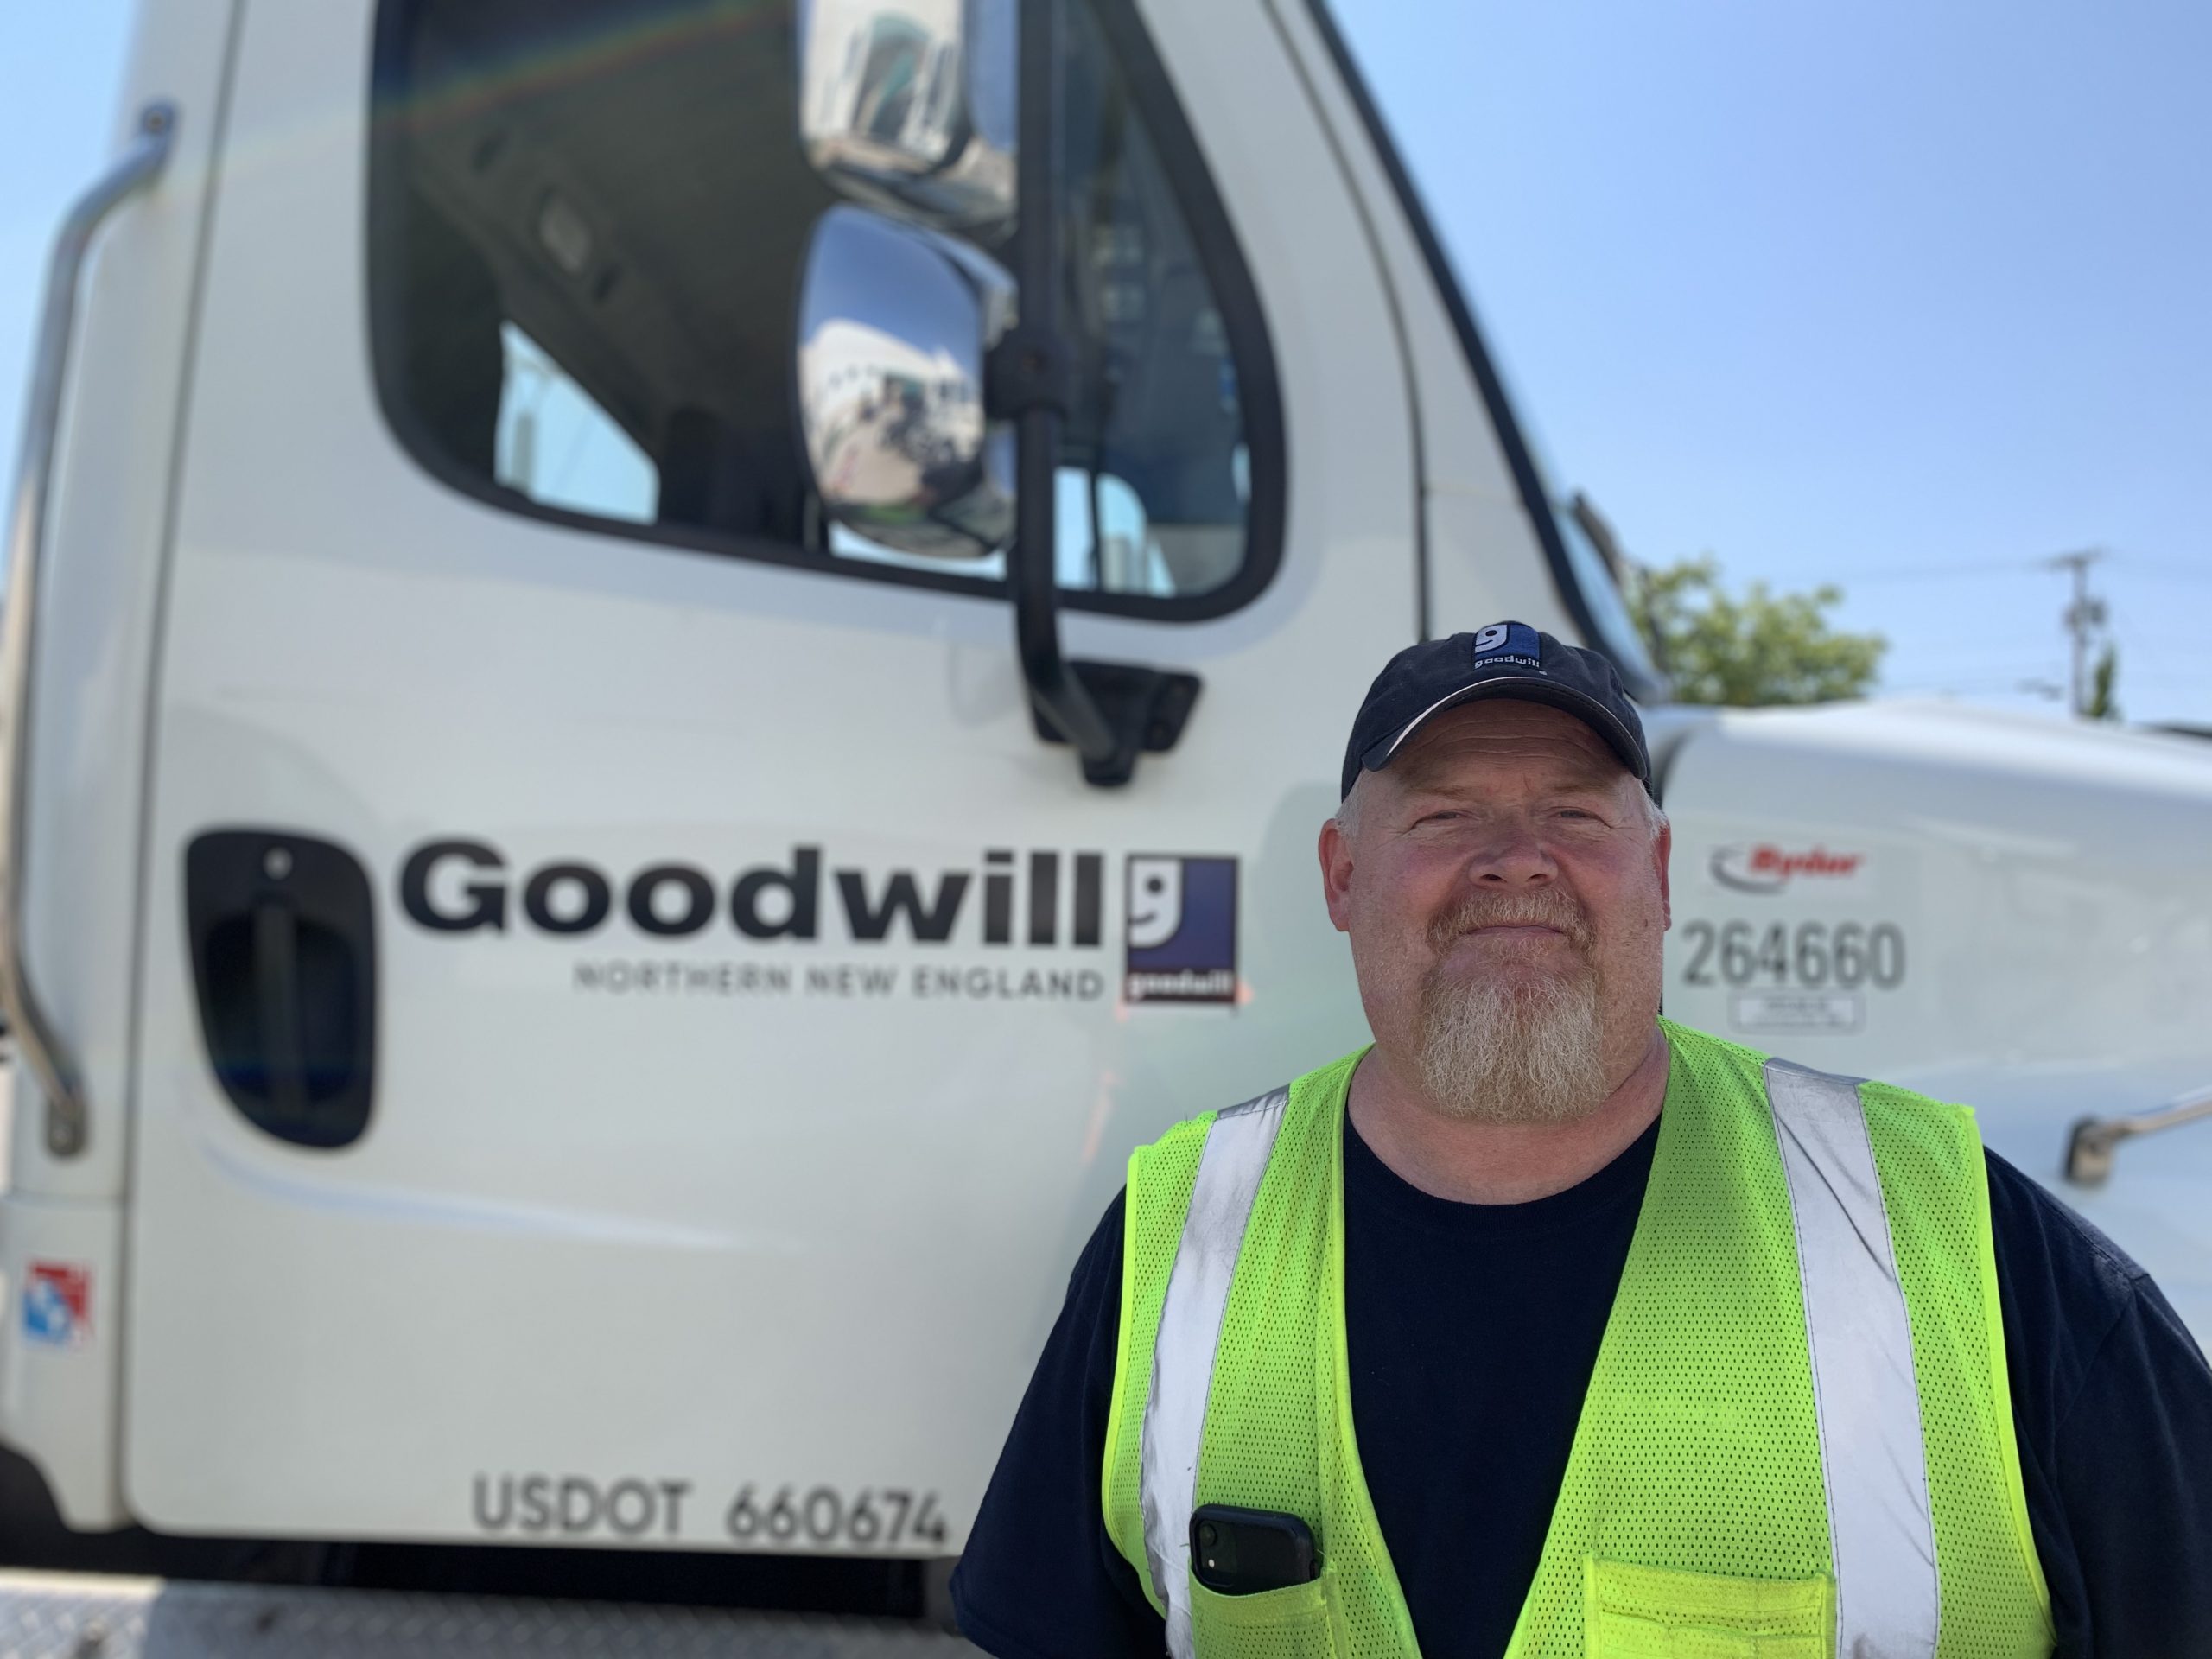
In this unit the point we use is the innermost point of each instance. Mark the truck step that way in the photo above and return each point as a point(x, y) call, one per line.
point(84, 1616)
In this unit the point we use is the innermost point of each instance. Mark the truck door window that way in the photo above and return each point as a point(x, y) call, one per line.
point(589, 221)
point(556, 445)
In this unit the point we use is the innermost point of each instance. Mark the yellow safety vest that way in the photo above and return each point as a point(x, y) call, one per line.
point(1797, 1441)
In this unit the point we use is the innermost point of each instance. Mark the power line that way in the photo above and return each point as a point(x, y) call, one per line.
point(1979, 683)
point(2133, 634)
point(2157, 570)
point(2163, 676)
point(1938, 572)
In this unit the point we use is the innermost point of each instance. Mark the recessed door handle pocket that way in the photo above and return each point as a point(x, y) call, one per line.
point(282, 934)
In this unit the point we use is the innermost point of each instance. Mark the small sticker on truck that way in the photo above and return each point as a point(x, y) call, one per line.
point(58, 1304)
point(1797, 1012)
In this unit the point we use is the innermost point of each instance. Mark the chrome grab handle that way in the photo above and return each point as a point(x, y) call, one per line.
point(2090, 1148)
point(36, 1039)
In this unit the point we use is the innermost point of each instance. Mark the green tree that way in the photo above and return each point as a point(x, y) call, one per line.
point(1751, 650)
point(2104, 686)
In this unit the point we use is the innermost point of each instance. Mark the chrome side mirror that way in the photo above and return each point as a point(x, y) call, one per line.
point(893, 324)
point(911, 108)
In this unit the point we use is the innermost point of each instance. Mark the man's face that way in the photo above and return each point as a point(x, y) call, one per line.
point(1506, 900)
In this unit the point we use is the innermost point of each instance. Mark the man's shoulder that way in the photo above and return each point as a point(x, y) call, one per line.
point(2045, 1245)
point(2110, 1394)
point(1324, 1079)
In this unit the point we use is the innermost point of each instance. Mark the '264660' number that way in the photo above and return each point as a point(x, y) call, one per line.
point(870, 1519)
point(1813, 954)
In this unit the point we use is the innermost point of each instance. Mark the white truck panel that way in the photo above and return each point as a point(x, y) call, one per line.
point(1469, 584)
point(1461, 450)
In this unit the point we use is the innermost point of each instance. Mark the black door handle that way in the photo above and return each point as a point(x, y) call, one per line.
point(276, 992)
point(283, 958)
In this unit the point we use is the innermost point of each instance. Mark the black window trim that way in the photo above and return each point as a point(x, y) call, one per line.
point(1213, 238)
point(1542, 512)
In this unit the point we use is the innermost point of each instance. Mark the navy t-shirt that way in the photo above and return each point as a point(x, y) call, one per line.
point(1472, 1329)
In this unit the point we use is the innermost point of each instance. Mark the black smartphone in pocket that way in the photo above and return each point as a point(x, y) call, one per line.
point(1242, 1552)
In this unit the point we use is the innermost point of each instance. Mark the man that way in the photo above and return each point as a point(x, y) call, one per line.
point(1790, 1367)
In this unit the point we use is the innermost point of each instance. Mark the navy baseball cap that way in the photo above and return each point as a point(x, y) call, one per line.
point(1506, 659)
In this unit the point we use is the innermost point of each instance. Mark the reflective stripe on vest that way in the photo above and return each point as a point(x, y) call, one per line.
point(1880, 1526)
point(1236, 1152)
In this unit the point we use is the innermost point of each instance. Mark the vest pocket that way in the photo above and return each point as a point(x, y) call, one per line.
point(1299, 1621)
point(1651, 1612)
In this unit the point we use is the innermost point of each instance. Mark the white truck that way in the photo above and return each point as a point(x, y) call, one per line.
point(673, 665)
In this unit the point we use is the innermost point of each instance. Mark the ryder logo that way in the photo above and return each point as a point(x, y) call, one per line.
point(1765, 867)
point(1182, 930)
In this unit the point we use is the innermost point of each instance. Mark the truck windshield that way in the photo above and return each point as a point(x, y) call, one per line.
point(1588, 574)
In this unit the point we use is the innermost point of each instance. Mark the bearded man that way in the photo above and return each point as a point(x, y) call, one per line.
point(1545, 1326)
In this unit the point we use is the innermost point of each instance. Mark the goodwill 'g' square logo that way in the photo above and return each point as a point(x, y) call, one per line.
point(1509, 643)
point(1182, 929)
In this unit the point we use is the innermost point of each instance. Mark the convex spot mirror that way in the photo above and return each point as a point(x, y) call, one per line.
point(893, 324)
point(911, 107)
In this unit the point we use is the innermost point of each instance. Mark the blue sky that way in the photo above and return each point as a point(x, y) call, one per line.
point(1860, 292)
point(1899, 296)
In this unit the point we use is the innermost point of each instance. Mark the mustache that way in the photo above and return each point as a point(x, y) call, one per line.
point(1544, 907)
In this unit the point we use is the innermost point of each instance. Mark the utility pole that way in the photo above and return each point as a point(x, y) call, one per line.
point(2082, 618)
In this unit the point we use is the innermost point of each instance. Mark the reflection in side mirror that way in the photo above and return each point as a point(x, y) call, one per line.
point(893, 323)
point(911, 107)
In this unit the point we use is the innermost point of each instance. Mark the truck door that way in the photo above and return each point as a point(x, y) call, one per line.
point(636, 1022)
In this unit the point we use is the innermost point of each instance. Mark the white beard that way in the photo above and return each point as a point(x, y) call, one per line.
point(1508, 1050)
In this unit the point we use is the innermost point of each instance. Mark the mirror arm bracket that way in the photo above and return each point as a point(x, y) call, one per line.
point(1144, 708)
point(1028, 378)
point(1028, 369)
